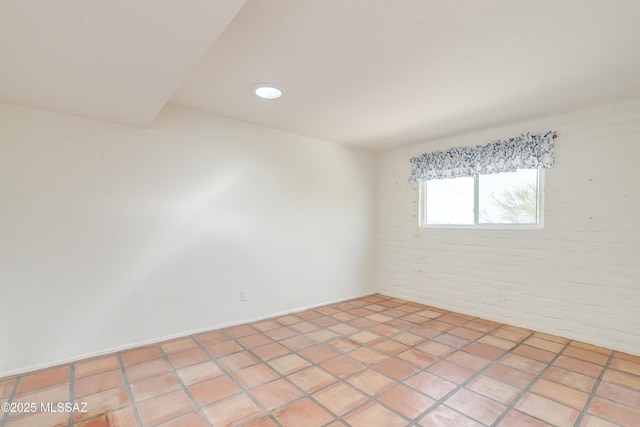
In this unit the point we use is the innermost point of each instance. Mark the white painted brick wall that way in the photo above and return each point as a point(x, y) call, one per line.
point(578, 277)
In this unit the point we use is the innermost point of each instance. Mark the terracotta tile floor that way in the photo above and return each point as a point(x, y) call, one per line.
point(373, 361)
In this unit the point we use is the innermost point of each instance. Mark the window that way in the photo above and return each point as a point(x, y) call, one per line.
point(497, 184)
point(497, 199)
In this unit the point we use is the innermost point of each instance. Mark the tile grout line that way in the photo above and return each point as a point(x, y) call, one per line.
point(370, 399)
point(592, 395)
point(183, 387)
point(407, 329)
point(439, 358)
point(414, 422)
point(477, 373)
point(399, 331)
point(305, 394)
point(375, 398)
point(322, 344)
point(399, 321)
point(127, 387)
point(5, 415)
point(536, 378)
point(72, 370)
point(228, 374)
point(367, 345)
point(402, 330)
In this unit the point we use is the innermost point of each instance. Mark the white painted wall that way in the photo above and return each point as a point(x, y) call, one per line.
point(579, 277)
point(112, 236)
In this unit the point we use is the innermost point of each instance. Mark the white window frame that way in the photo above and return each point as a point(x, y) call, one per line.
point(422, 209)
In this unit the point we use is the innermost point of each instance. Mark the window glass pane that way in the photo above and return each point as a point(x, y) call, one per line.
point(450, 201)
point(509, 198)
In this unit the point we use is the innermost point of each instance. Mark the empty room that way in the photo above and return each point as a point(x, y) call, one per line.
point(305, 213)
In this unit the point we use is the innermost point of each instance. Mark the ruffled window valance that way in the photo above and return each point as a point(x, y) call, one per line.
point(522, 152)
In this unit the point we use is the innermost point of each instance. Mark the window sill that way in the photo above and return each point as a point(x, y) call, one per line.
point(486, 226)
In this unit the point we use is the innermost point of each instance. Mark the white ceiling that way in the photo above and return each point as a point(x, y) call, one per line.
point(113, 60)
point(369, 73)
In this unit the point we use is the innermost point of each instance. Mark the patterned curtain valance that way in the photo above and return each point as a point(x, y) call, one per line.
point(522, 152)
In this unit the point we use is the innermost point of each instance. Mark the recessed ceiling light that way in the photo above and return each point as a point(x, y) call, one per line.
point(268, 91)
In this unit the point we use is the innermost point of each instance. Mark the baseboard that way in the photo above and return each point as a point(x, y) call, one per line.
point(104, 352)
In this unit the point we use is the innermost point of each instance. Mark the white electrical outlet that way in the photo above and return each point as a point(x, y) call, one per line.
point(244, 295)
